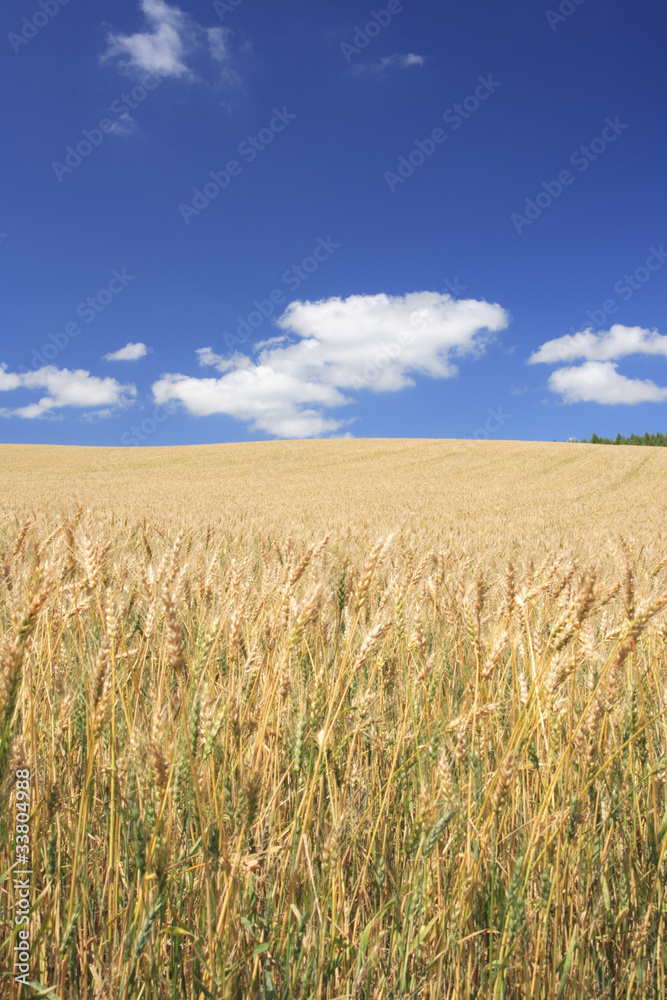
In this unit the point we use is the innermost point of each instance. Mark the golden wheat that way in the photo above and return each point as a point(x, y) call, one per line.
point(323, 726)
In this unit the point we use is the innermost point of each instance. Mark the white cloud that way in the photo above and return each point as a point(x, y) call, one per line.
point(597, 379)
point(616, 342)
point(396, 61)
point(65, 388)
point(170, 37)
point(375, 342)
point(599, 382)
point(131, 352)
point(218, 44)
point(8, 380)
point(275, 402)
point(402, 60)
point(219, 47)
point(161, 49)
point(340, 338)
point(125, 124)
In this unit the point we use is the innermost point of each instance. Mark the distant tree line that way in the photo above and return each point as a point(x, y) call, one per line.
point(658, 440)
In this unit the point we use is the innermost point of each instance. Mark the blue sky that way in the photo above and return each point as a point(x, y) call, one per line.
point(245, 220)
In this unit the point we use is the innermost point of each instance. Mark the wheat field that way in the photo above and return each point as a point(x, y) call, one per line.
point(335, 719)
